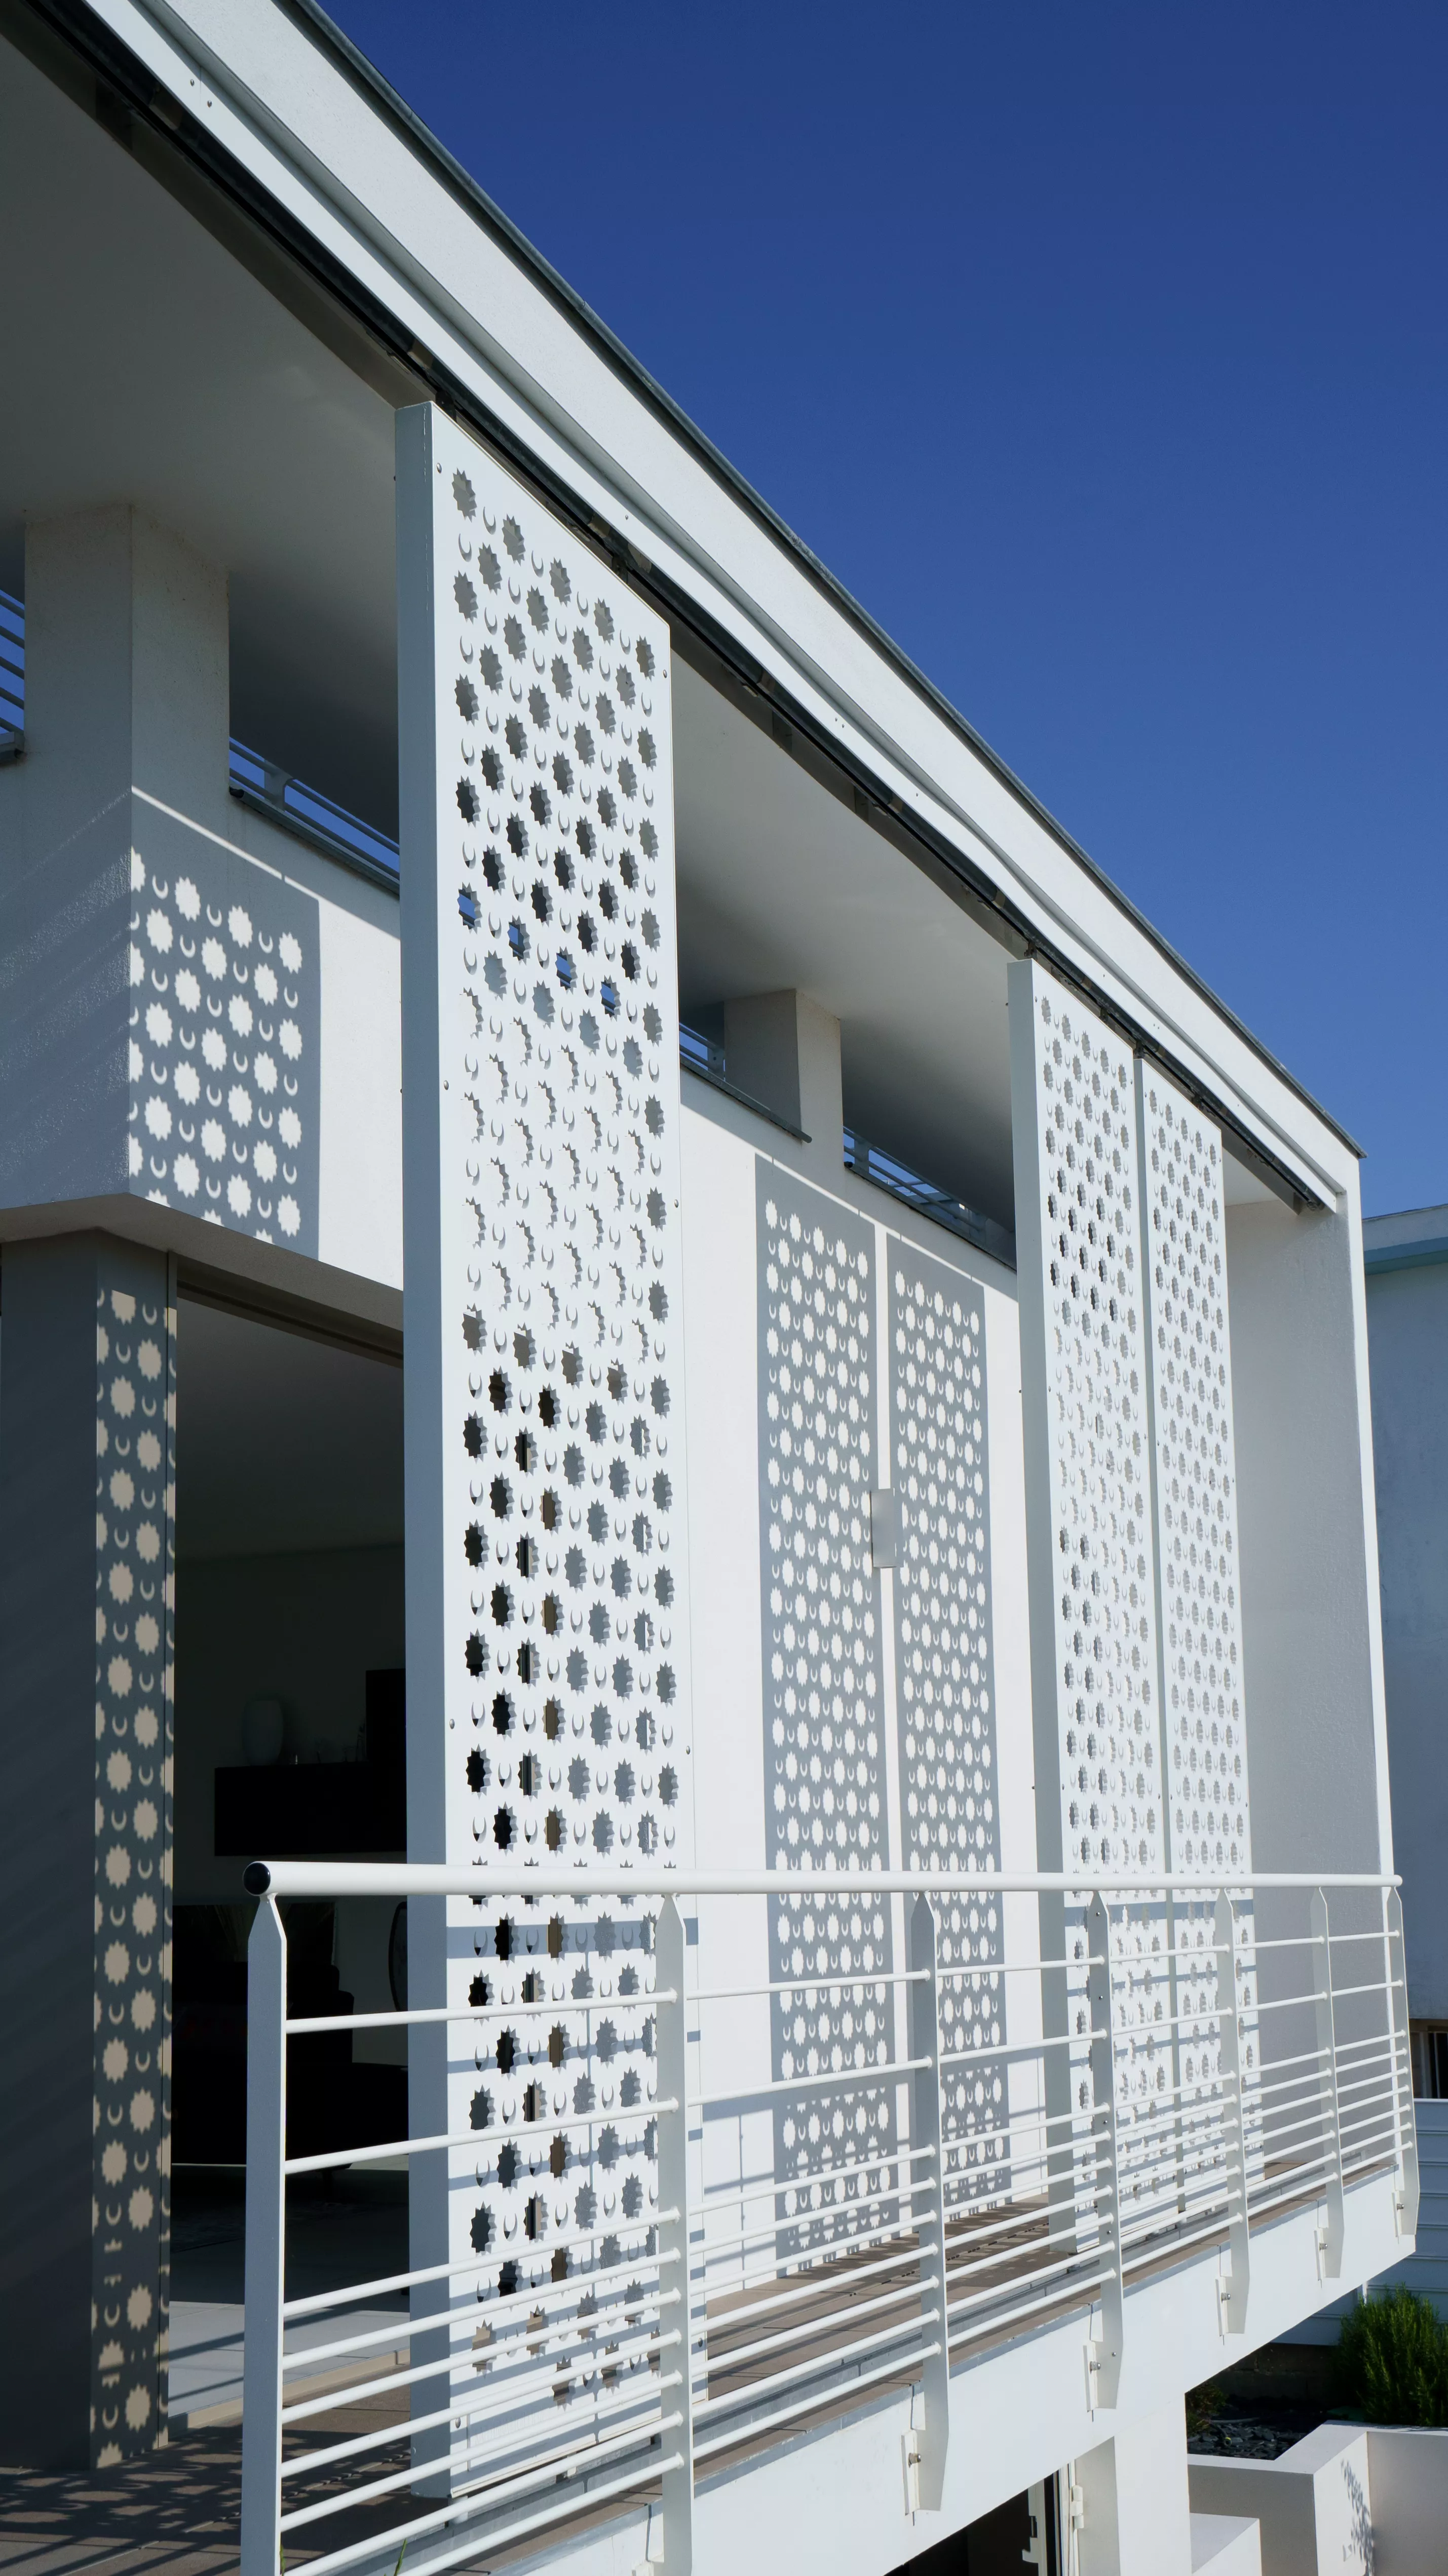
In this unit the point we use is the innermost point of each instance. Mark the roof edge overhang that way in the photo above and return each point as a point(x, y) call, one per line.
point(273, 106)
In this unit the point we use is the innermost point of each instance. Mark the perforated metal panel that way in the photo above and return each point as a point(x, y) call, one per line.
point(824, 1763)
point(1073, 1098)
point(945, 1681)
point(1195, 1485)
point(225, 1051)
point(135, 1530)
point(554, 1249)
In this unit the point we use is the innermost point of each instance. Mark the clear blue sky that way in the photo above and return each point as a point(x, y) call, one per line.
point(1103, 353)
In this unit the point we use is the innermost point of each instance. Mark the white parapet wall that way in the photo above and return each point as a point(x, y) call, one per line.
point(202, 1038)
point(1225, 2544)
point(1350, 2497)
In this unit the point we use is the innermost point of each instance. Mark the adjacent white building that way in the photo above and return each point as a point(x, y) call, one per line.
point(706, 1230)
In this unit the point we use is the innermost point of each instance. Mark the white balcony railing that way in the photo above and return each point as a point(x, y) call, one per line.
point(1203, 2060)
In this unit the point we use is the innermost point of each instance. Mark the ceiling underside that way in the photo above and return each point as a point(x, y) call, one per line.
point(284, 1445)
point(780, 885)
point(145, 364)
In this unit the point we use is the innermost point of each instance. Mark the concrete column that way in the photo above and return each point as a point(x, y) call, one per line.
point(1312, 1649)
point(126, 721)
point(1137, 2517)
point(87, 1421)
point(784, 1050)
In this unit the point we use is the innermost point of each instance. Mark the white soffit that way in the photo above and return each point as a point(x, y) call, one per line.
point(782, 885)
point(145, 361)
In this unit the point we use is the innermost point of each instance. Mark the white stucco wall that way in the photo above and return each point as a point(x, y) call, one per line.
point(1408, 1338)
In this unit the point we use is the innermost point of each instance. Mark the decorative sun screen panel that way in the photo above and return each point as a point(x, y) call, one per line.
point(824, 1763)
point(945, 1681)
point(546, 1582)
point(135, 1530)
point(1199, 1610)
point(225, 1042)
point(1094, 1672)
point(1088, 1354)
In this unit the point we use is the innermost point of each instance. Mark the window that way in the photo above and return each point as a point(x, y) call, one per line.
point(1429, 2043)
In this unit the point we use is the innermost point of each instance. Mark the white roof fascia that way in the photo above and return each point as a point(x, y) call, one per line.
point(308, 136)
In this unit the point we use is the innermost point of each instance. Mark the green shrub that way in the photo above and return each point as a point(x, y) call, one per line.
point(1392, 2357)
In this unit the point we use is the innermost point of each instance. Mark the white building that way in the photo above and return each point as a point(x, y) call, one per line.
point(923, 1444)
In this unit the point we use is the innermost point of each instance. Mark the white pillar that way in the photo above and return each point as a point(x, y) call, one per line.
point(1137, 2519)
point(87, 1419)
point(784, 1050)
point(1311, 1621)
point(125, 727)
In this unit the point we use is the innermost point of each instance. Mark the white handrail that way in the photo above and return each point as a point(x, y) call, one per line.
point(437, 1878)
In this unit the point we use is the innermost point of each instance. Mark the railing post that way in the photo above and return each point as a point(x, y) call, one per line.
point(922, 2021)
point(266, 2200)
point(1405, 2116)
point(1327, 2057)
point(1105, 2367)
point(1234, 2124)
point(670, 2022)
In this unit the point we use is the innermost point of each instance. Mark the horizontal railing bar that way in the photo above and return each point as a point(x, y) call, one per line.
point(845, 2391)
point(1379, 2041)
point(1009, 2220)
point(524, 2483)
point(1312, 2125)
point(339, 2398)
point(711, 2408)
point(407, 2532)
point(1139, 2251)
point(454, 2358)
point(358, 2291)
point(1278, 2071)
point(461, 2410)
point(1011, 2053)
point(1306, 2181)
point(443, 2320)
point(532, 2356)
point(1174, 2187)
point(800, 2286)
point(1166, 2247)
point(1034, 2272)
point(1357, 2087)
point(811, 1985)
point(432, 2013)
point(436, 1878)
point(722, 2362)
point(728, 2194)
point(886, 2227)
point(975, 1969)
point(585, 2411)
point(494, 2137)
point(845, 2079)
point(1072, 2293)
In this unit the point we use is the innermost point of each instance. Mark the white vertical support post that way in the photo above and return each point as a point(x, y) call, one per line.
point(1332, 2234)
point(673, 2065)
point(1405, 2115)
point(1234, 2126)
point(927, 2199)
point(1104, 2366)
point(266, 2208)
